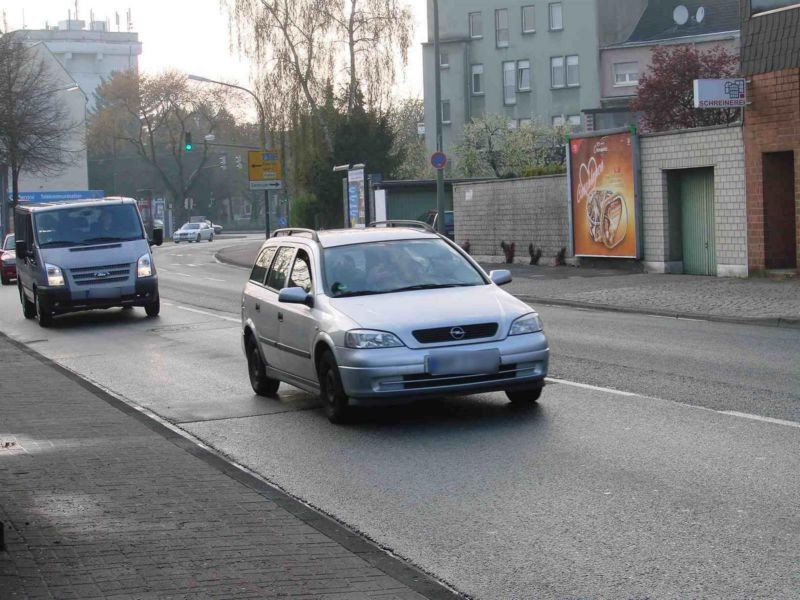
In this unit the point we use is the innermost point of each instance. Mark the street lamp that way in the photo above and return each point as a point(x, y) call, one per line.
point(437, 69)
point(262, 117)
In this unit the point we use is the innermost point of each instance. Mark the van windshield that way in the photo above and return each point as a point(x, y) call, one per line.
point(84, 226)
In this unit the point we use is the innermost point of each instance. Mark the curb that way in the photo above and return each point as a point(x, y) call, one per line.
point(779, 322)
point(370, 552)
point(218, 256)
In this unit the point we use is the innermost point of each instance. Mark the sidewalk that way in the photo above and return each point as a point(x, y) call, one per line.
point(99, 501)
point(753, 301)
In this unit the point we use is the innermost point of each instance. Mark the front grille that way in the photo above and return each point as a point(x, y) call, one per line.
point(445, 334)
point(423, 380)
point(90, 275)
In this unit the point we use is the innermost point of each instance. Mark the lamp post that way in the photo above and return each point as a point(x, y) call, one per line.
point(262, 117)
point(437, 69)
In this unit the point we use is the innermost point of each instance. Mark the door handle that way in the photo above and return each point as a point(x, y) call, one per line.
point(280, 316)
point(258, 306)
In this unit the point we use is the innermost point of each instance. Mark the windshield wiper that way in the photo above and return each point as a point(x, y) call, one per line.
point(358, 293)
point(432, 286)
point(102, 240)
point(59, 243)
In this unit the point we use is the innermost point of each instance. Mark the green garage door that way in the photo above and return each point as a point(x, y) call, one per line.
point(697, 221)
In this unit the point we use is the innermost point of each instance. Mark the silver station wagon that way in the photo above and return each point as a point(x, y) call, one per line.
point(391, 312)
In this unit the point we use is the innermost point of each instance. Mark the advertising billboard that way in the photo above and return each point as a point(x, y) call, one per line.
point(603, 195)
point(356, 193)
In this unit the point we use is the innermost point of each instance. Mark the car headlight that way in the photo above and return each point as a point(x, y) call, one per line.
point(530, 323)
point(55, 278)
point(362, 339)
point(144, 267)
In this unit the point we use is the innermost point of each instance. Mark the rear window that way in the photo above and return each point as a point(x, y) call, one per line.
point(261, 266)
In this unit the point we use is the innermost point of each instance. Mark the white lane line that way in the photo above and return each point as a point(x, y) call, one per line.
point(213, 279)
point(183, 274)
point(208, 314)
point(730, 413)
point(742, 415)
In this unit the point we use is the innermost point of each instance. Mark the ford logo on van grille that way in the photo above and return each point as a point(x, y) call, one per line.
point(101, 274)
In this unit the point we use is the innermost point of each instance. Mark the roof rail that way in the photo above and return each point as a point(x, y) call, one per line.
point(401, 223)
point(296, 231)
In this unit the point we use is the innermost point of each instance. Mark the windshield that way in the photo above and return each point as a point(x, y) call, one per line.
point(191, 226)
point(9, 243)
point(83, 226)
point(397, 266)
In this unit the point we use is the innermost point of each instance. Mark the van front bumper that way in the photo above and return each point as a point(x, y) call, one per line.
point(369, 375)
point(60, 300)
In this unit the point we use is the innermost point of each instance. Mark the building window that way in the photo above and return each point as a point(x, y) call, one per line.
point(626, 74)
point(501, 27)
point(573, 71)
point(557, 72)
point(446, 112)
point(444, 60)
point(475, 25)
point(513, 125)
point(528, 19)
point(558, 121)
point(523, 76)
point(509, 83)
point(477, 80)
point(760, 6)
point(574, 122)
point(556, 16)
point(526, 122)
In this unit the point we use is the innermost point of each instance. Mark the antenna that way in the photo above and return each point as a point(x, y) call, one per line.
point(91, 16)
point(700, 15)
point(130, 21)
point(116, 14)
point(5, 21)
point(76, 10)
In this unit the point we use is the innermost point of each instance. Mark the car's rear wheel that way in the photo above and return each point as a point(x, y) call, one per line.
point(211, 238)
point(28, 307)
point(334, 399)
point(197, 239)
point(261, 384)
point(153, 308)
point(5, 280)
point(43, 313)
point(529, 396)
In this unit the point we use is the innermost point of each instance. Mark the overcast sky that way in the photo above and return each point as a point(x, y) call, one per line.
point(188, 35)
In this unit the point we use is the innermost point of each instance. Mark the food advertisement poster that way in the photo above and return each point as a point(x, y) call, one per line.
point(603, 195)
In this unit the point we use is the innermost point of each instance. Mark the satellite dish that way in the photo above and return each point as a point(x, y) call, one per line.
point(701, 14)
point(680, 15)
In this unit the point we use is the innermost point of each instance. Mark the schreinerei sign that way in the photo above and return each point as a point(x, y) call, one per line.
point(720, 93)
point(264, 170)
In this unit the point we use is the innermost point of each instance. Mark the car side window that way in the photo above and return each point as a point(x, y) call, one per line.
point(279, 272)
point(261, 266)
point(301, 272)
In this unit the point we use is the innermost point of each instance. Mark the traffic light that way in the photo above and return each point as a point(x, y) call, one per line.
point(187, 138)
point(223, 161)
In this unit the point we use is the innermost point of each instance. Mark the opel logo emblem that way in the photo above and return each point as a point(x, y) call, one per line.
point(101, 274)
point(457, 333)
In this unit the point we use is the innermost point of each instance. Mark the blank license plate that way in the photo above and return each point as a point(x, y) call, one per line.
point(478, 362)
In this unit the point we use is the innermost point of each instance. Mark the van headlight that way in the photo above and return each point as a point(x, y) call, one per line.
point(530, 323)
point(55, 278)
point(144, 266)
point(363, 339)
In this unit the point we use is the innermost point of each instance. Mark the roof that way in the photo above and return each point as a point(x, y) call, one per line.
point(42, 206)
point(332, 238)
point(657, 22)
point(770, 41)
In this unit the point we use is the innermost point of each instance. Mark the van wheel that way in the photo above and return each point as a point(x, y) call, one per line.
point(153, 308)
point(334, 400)
point(261, 384)
point(520, 397)
point(28, 307)
point(43, 314)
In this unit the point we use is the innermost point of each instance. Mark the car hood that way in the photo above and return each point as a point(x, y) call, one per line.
point(404, 312)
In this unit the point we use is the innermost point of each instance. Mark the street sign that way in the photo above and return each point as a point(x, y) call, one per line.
point(264, 166)
point(720, 93)
point(439, 160)
point(266, 185)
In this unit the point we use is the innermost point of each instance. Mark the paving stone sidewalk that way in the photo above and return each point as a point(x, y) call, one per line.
point(757, 301)
point(100, 502)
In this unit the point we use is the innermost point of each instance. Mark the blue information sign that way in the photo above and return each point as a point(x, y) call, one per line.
point(53, 196)
point(439, 160)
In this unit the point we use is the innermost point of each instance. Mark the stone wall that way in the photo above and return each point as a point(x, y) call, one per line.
point(523, 211)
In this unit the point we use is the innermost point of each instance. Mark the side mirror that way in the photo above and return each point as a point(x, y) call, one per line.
point(296, 295)
point(158, 237)
point(500, 277)
point(22, 248)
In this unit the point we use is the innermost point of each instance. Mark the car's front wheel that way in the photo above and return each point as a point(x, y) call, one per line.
point(334, 399)
point(43, 314)
point(261, 384)
point(529, 396)
point(5, 280)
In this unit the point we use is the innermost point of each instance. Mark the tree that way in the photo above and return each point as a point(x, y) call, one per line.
point(490, 148)
point(152, 115)
point(666, 94)
point(36, 133)
point(409, 145)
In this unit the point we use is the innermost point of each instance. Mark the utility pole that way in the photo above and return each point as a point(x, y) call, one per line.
point(440, 205)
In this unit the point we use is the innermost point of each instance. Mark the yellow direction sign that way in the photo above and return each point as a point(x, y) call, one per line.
point(264, 168)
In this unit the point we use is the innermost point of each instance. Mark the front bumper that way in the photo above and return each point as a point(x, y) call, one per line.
point(60, 300)
point(401, 372)
point(9, 271)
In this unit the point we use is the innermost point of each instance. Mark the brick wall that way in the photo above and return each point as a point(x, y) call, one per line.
point(718, 147)
point(523, 211)
point(772, 124)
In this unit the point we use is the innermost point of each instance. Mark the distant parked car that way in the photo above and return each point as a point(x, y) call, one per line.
point(194, 232)
point(431, 217)
point(217, 228)
point(8, 260)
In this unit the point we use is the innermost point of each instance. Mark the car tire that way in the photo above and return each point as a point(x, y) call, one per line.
point(197, 240)
point(259, 381)
point(43, 314)
point(176, 241)
point(211, 238)
point(153, 308)
point(334, 399)
point(28, 307)
point(5, 280)
point(521, 397)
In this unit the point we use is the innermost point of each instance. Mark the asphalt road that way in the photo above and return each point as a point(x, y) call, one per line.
point(655, 490)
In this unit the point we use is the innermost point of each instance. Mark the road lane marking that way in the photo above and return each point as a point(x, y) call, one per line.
point(742, 415)
point(595, 388)
point(214, 279)
point(208, 314)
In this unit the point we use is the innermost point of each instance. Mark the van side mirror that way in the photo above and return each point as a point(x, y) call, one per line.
point(158, 237)
point(22, 248)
